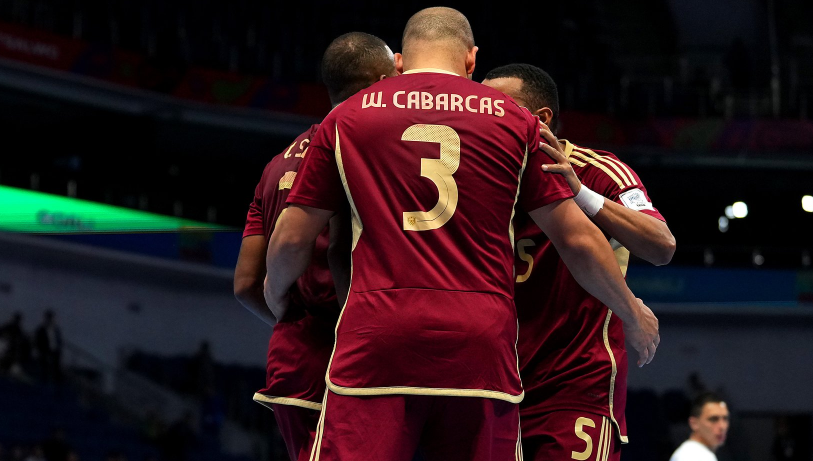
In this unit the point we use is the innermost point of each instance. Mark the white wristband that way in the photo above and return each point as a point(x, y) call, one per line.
point(589, 201)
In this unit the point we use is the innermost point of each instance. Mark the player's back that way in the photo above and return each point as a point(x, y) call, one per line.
point(431, 164)
point(434, 188)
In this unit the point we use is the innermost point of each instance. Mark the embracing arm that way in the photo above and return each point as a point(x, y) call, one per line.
point(644, 236)
point(289, 252)
point(590, 259)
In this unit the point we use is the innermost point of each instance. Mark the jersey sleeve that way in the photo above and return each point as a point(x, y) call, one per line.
point(254, 218)
point(318, 183)
point(615, 180)
point(538, 188)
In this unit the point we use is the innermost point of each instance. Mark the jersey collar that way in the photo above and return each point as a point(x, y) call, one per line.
point(568, 147)
point(430, 70)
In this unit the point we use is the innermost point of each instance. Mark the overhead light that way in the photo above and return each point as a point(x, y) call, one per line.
point(807, 203)
point(722, 224)
point(729, 212)
point(758, 258)
point(740, 209)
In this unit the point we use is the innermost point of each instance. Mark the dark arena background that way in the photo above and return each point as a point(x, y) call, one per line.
point(134, 132)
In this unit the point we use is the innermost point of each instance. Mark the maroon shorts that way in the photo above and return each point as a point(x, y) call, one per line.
point(396, 427)
point(568, 434)
point(298, 428)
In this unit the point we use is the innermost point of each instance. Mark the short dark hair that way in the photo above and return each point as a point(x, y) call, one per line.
point(538, 87)
point(353, 62)
point(701, 400)
point(438, 24)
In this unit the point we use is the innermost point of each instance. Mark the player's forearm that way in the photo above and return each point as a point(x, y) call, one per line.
point(644, 236)
point(592, 263)
point(250, 295)
point(287, 259)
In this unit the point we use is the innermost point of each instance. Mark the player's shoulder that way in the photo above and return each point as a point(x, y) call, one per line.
point(692, 451)
point(599, 165)
point(290, 157)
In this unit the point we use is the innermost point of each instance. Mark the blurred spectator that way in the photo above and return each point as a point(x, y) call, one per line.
point(709, 423)
point(36, 454)
point(212, 415)
point(48, 339)
point(115, 456)
point(15, 348)
point(17, 453)
point(179, 439)
point(738, 64)
point(202, 375)
point(56, 448)
point(784, 446)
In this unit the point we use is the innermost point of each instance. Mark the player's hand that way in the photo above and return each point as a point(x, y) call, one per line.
point(643, 334)
point(555, 152)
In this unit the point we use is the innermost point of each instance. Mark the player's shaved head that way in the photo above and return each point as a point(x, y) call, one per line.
point(538, 90)
point(439, 27)
point(354, 61)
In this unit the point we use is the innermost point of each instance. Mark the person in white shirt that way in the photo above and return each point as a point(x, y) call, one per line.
point(709, 423)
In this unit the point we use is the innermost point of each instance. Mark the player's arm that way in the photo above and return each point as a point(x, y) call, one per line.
point(644, 236)
point(590, 259)
point(289, 252)
point(248, 278)
point(339, 254)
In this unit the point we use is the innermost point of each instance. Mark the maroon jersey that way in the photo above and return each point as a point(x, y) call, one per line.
point(571, 347)
point(299, 349)
point(430, 164)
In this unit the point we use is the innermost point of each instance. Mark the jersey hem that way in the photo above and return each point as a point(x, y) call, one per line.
point(407, 390)
point(267, 401)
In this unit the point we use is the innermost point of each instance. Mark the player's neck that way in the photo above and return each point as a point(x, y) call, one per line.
point(436, 62)
point(696, 438)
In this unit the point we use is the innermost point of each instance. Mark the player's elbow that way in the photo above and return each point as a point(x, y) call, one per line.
point(245, 286)
point(666, 250)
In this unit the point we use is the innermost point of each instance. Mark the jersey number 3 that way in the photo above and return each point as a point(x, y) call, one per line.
point(439, 171)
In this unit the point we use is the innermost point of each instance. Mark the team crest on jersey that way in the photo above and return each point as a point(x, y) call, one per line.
point(635, 199)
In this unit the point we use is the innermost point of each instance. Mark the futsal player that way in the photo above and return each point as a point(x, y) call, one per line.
point(300, 346)
point(571, 347)
point(430, 164)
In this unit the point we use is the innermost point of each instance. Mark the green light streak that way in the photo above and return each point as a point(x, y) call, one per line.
point(36, 212)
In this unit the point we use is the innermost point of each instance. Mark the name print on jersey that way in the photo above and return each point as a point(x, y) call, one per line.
point(445, 101)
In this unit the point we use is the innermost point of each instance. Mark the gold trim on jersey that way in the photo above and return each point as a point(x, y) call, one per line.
point(624, 177)
point(600, 166)
point(267, 401)
point(518, 451)
point(511, 239)
point(622, 255)
point(606, 334)
point(430, 70)
point(316, 449)
point(600, 446)
point(408, 390)
point(607, 161)
point(607, 158)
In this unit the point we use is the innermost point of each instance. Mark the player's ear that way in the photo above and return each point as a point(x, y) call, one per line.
point(545, 114)
point(693, 423)
point(470, 59)
point(399, 62)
